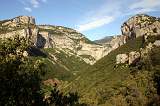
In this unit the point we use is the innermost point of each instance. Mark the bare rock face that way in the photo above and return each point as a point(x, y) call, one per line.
point(18, 21)
point(44, 40)
point(134, 57)
point(157, 43)
point(72, 42)
point(24, 20)
point(28, 33)
point(109, 44)
point(122, 58)
point(94, 51)
point(24, 26)
point(145, 51)
point(118, 41)
point(141, 25)
point(131, 58)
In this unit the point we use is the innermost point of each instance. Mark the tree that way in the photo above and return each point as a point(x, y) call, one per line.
point(19, 76)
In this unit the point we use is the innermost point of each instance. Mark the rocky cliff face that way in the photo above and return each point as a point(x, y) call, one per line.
point(141, 25)
point(74, 43)
point(23, 26)
point(18, 21)
point(70, 40)
point(28, 33)
point(118, 41)
point(46, 36)
point(144, 26)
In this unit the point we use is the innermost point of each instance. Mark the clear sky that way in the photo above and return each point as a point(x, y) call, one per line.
point(94, 18)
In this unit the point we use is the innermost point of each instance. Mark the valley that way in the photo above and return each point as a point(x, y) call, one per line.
point(119, 70)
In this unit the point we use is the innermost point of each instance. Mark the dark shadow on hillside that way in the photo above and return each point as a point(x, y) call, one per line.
point(19, 89)
point(33, 51)
point(41, 41)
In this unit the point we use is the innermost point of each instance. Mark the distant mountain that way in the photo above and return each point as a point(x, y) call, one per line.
point(104, 40)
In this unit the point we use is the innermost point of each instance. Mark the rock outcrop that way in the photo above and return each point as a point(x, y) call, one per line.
point(118, 41)
point(134, 57)
point(23, 26)
point(144, 26)
point(28, 33)
point(130, 58)
point(18, 21)
point(157, 43)
point(141, 25)
point(121, 58)
point(44, 40)
point(145, 51)
point(24, 20)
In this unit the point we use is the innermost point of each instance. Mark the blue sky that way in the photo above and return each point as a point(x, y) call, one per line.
point(94, 18)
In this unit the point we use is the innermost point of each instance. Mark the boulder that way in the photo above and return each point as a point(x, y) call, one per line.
point(25, 54)
point(121, 58)
point(134, 57)
point(157, 43)
point(131, 58)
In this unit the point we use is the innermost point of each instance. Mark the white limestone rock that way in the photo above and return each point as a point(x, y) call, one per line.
point(122, 58)
point(141, 25)
point(134, 57)
point(157, 43)
point(24, 20)
point(131, 58)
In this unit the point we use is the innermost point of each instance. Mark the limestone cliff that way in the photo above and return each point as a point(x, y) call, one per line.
point(74, 43)
point(48, 36)
point(144, 26)
point(141, 25)
point(23, 26)
point(70, 40)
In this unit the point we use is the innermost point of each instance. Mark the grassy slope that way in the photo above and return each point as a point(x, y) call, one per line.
point(64, 68)
point(98, 81)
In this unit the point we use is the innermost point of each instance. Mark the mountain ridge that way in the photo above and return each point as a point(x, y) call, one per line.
point(50, 36)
